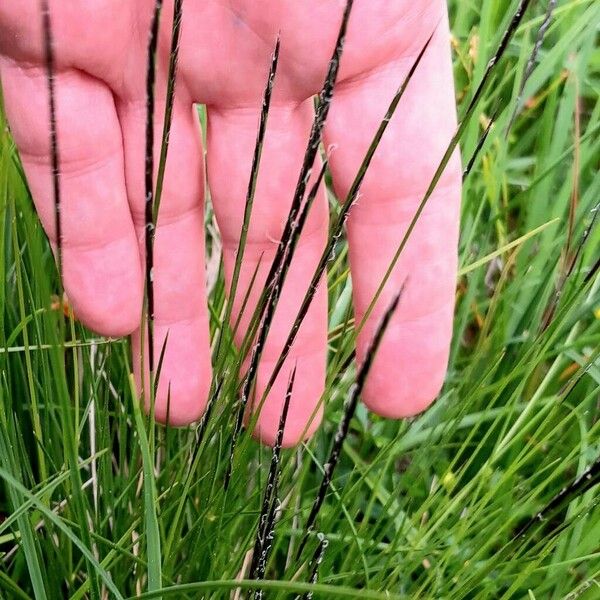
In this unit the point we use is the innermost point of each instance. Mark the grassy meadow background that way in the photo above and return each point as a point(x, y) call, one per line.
point(490, 494)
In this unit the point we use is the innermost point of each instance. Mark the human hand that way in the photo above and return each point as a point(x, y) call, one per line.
point(101, 49)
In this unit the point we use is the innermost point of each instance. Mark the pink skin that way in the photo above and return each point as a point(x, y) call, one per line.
point(224, 60)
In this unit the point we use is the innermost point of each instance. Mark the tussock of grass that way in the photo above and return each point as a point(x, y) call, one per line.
point(491, 493)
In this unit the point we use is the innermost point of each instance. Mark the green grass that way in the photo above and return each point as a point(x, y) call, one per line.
point(462, 502)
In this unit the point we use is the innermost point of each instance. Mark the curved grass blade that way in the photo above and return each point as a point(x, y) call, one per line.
point(286, 587)
point(344, 425)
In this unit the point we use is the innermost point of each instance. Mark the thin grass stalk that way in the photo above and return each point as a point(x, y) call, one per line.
point(322, 111)
point(31, 385)
point(266, 519)
point(170, 101)
point(246, 297)
point(530, 66)
point(285, 265)
point(493, 62)
point(79, 501)
point(337, 228)
point(256, 158)
point(324, 104)
point(315, 563)
point(281, 274)
point(150, 229)
point(161, 359)
point(593, 271)
point(50, 60)
point(584, 238)
point(152, 529)
point(265, 325)
point(344, 425)
point(579, 486)
point(203, 426)
point(569, 268)
point(480, 144)
point(502, 46)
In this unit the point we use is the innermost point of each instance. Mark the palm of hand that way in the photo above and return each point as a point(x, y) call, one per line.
point(225, 51)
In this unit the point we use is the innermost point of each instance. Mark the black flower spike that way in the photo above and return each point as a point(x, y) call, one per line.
point(48, 41)
point(276, 277)
point(344, 425)
point(149, 229)
point(266, 522)
point(315, 563)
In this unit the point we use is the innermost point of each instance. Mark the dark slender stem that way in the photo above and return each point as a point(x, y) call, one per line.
point(586, 481)
point(282, 273)
point(324, 104)
point(276, 277)
point(593, 271)
point(266, 522)
point(506, 37)
point(530, 66)
point(480, 144)
point(344, 425)
point(169, 104)
point(569, 268)
point(315, 563)
point(150, 228)
point(487, 77)
point(256, 158)
point(48, 42)
point(339, 225)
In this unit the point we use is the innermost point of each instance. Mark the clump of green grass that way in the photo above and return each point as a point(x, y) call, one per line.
point(491, 493)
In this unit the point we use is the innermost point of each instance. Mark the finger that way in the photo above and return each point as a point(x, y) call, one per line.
point(102, 274)
point(181, 317)
point(410, 366)
point(231, 140)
